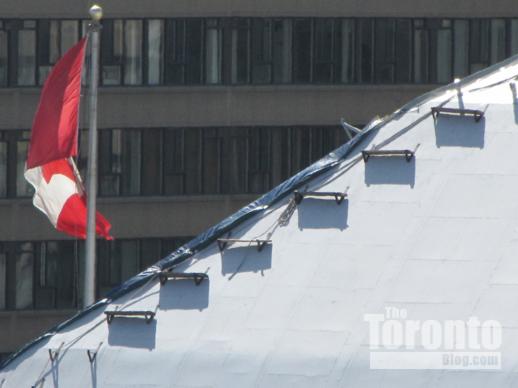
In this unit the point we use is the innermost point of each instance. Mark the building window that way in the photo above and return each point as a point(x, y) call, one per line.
point(26, 54)
point(302, 47)
point(262, 51)
point(327, 50)
point(3, 169)
point(3, 54)
point(239, 47)
point(498, 40)
point(133, 52)
point(240, 50)
point(513, 30)
point(56, 275)
point(183, 51)
point(174, 163)
point(48, 274)
point(282, 51)
point(348, 50)
point(365, 50)
point(461, 48)
point(55, 37)
point(112, 52)
point(3, 278)
point(24, 275)
point(213, 49)
point(120, 162)
point(155, 47)
point(479, 44)
point(122, 52)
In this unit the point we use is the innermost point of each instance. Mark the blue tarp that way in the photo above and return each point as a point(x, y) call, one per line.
point(256, 207)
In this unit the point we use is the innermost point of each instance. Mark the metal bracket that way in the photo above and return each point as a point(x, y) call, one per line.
point(223, 242)
point(476, 113)
point(92, 355)
point(407, 154)
point(339, 197)
point(55, 354)
point(197, 277)
point(348, 128)
point(147, 315)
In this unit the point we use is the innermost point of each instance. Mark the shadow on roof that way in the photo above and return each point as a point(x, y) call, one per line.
point(316, 213)
point(454, 131)
point(390, 171)
point(184, 295)
point(132, 332)
point(236, 260)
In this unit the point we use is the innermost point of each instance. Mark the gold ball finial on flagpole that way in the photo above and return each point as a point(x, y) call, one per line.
point(96, 12)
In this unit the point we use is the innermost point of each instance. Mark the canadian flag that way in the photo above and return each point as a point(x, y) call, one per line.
point(50, 170)
point(60, 196)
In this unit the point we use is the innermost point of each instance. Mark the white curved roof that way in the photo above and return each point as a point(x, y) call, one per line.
point(436, 236)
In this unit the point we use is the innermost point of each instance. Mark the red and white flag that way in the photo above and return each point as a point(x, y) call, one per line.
point(58, 190)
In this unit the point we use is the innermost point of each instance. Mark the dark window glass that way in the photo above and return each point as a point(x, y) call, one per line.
point(183, 51)
point(110, 155)
point(27, 54)
point(461, 48)
point(238, 38)
point(213, 52)
point(23, 188)
point(514, 36)
point(193, 51)
point(441, 58)
point(151, 162)
point(24, 275)
point(112, 48)
point(120, 162)
point(385, 50)
point(175, 51)
point(127, 253)
point(282, 51)
point(421, 52)
point(234, 160)
point(302, 51)
point(262, 51)
point(3, 278)
point(3, 169)
point(260, 156)
point(479, 44)
point(133, 52)
point(174, 174)
point(348, 49)
point(403, 58)
point(4, 59)
point(131, 162)
point(327, 44)
point(193, 148)
point(498, 40)
point(365, 50)
point(56, 270)
point(155, 46)
point(211, 162)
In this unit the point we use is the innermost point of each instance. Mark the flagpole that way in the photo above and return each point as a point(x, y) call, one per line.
point(96, 14)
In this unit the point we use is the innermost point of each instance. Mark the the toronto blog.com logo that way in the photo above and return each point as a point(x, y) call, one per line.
point(399, 342)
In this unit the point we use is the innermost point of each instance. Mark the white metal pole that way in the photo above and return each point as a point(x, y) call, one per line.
point(89, 280)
